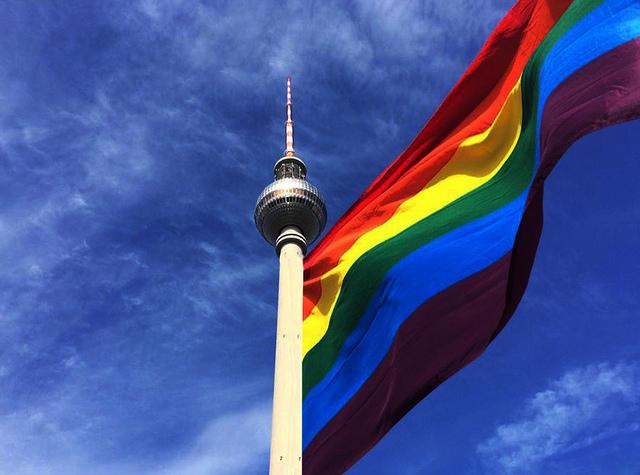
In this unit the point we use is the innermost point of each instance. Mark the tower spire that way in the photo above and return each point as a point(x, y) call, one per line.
point(289, 151)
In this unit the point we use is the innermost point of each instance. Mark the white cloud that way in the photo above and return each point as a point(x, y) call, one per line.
point(353, 40)
point(230, 444)
point(36, 442)
point(584, 406)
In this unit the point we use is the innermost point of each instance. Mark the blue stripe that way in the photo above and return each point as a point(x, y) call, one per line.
point(448, 259)
point(464, 251)
point(612, 24)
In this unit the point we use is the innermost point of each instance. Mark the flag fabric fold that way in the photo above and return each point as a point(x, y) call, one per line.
point(423, 271)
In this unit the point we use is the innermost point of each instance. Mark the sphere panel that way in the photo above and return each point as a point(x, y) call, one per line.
point(290, 202)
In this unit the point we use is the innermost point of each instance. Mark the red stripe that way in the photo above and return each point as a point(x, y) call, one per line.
point(469, 109)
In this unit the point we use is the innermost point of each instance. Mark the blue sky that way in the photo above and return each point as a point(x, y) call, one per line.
point(137, 301)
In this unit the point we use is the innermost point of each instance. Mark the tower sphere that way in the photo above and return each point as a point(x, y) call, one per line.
point(290, 209)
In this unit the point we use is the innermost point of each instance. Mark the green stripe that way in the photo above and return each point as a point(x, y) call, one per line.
point(365, 276)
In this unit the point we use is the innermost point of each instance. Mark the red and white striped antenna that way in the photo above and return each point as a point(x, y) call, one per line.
point(289, 151)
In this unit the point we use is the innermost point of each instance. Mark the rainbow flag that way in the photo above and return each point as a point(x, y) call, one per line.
point(429, 264)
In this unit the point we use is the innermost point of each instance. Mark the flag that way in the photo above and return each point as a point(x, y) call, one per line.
point(423, 271)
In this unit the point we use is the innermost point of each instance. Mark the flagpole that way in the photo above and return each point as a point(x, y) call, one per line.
point(290, 213)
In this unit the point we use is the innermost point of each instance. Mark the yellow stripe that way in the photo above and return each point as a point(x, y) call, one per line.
point(476, 161)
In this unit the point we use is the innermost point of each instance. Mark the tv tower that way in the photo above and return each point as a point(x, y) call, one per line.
point(290, 214)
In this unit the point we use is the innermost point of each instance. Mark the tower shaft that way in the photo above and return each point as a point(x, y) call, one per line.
point(286, 429)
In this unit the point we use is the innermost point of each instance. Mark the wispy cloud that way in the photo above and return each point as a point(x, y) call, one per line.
point(36, 442)
point(583, 407)
point(232, 444)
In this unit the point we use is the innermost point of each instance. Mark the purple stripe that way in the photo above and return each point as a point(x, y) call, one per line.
point(602, 93)
point(445, 333)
